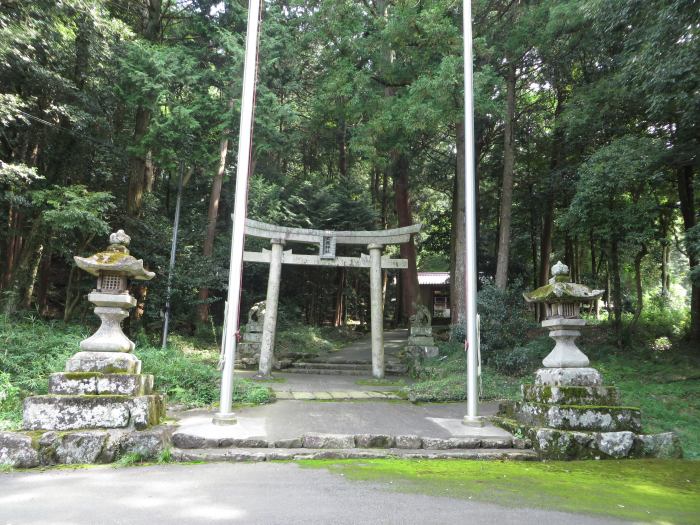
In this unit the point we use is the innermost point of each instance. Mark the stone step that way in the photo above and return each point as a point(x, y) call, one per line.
point(337, 395)
point(338, 366)
point(336, 372)
point(292, 454)
point(571, 395)
point(188, 440)
point(74, 412)
point(97, 383)
point(579, 417)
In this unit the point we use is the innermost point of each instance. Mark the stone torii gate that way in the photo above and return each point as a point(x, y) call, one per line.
point(326, 240)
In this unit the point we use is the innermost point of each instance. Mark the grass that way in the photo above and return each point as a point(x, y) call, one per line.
point(30, 349)
point(644, 490)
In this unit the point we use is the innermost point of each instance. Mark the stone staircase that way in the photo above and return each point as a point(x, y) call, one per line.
point(343, 367)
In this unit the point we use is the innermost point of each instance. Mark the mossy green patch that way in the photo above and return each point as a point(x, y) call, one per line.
point(380, 382)
point(81, 375)
point(643, 490)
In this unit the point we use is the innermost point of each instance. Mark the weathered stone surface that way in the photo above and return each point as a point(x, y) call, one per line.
point(17, 451)
point(105, 362)
point(314, 440)
point(73, 383)
point(374, 441)
point(147, 443)
point(568, 377)
point(421, 341)
point(146, 411)
point(614, 444)
point(571, 395)
point(96, 383)
point(557, 444)
point(665, 446)
point(288, 443)
point(80, 447)
point(125, 384)
point(75, 412)
point(569, 417)
point(189, 441)
point(408, 441)
point(243, 443)
point(418, 331)
point(54, 412)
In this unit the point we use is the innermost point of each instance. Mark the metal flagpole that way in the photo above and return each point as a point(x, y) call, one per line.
point(245, 137)
point(472, 341)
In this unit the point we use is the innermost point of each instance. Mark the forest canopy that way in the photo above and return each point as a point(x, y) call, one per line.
point(586, 128)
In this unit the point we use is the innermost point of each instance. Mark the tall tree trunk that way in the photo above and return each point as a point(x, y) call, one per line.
point(212, 215)
point(507, 191)
point(458, 307)
point(594, 268)
point(687, 197)
point(548, 216)
point(140, 165)
point(638, 282)
point(341, 139)
point(616, 290)
point(339, 297)
point(409, 282)
point(533, 234)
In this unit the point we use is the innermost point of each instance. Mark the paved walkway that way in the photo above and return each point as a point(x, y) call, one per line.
point(285, 420)
point(268, 493)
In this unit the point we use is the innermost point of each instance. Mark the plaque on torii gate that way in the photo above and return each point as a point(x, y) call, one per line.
point(326, 240)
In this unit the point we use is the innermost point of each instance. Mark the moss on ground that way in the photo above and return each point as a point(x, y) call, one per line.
point(643, 490)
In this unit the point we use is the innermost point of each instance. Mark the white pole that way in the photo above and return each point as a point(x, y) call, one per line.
point(470, 218)
point(245, 138)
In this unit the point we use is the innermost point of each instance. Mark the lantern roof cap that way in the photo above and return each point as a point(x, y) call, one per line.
point(115, 259)
point(560, 289)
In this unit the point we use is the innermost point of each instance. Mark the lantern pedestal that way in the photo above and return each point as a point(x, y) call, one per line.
point(112, 309)
point(565, 353)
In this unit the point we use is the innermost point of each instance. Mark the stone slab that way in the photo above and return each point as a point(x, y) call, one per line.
point(568, 377)
point(96, 383)
point(421, 341)
point(314, 440)
point(417, 331)
point(53, 412)
point(571, 395)
point(16, 450)
point(591, 418)
point(104, 362)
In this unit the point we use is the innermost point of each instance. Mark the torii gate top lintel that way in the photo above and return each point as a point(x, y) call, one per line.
point(272, 231)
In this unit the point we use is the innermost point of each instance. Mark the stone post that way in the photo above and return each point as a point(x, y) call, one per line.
point(270, 323)
point(377, 305)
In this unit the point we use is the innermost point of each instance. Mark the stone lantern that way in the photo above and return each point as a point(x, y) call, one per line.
point(568, 412)
point(562, 302)
point(112, 267)
point(102, 386)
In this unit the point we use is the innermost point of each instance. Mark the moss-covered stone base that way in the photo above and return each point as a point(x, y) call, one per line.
point(37, 448)
point(560, 444)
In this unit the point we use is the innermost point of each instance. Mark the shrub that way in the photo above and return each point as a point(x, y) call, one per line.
point(10, 403)
point(504, 319)
point(514, 362)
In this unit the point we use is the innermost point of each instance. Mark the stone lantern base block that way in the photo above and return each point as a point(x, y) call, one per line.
point(105, 362)
point(97, 383)
point(569, 414)
point(54, 412)
point(568, 377)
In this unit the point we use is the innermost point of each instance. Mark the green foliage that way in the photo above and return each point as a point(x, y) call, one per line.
point(504, 321)
point(10, 404)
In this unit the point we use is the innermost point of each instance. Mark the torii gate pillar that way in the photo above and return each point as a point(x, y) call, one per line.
point(267, 344)
point(377, 309)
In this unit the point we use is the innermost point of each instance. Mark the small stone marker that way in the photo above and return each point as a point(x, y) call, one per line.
point(420, 340)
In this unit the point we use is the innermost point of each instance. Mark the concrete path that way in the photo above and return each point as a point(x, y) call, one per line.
point(361, 350)
point(291, 419)
point(270, 494)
